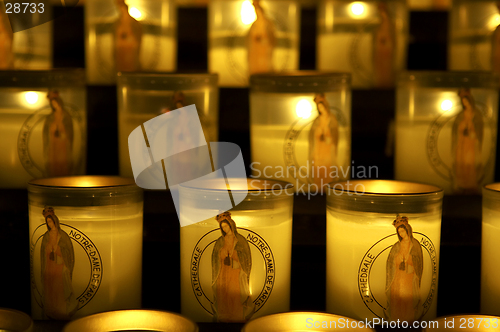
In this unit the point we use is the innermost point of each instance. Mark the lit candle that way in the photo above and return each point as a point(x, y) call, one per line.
point(455, 323)
point(446, 125)
point(383, 241)
point(43, 125)
point(135, 35)
point(236, 264)
point(300, 128)
point(141, 97)
point(490, 289)
point(15, 321)
point(474, 42)
point(247, 37)
point(85, 245)
point(367, 39)
point(128, 320)
point(304, 321)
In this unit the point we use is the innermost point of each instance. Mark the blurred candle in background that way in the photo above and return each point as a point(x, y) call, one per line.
point(85, 245)
point(300, 127)
point(141, 97)
point(132, 35)
point(236, 265)
point(43, 125)
point(490, 288)
point(382, 249)
point(474, 36)
point(446, 129)
point(248, 37)
point(366, 38)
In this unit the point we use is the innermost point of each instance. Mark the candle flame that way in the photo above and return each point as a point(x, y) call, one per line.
point(31, 97)
point(357, 9)
point(494, 22)
point(135, 13)
point(446, 105)
point(248, 15)
point(303, 109)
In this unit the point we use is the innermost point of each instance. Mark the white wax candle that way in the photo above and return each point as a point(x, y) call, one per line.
point(357, 274)
point(269, 239)
point(107, 249)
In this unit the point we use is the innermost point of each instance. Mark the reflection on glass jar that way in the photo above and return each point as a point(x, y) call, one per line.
point(137, 35)
point(446, 127)
point(366, 38)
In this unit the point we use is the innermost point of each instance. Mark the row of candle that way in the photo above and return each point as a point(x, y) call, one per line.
point(300, 125)
point(245, 37)
point(383, 244)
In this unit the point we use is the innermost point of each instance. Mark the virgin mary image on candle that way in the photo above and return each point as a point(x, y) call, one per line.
point(323, 142)
point(467, 143)
point(57, 262)
point(58, 138)
point(231, 266)
point(404, 269)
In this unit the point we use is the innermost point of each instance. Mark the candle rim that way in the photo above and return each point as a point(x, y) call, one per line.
point(400, 188)
point(83, 181)
point(492, 187)
point(15, 320)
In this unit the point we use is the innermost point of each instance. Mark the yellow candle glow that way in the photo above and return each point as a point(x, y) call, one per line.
point(300, 128)
point(367, 39)
point(383, 241)
point(446, 126)
point(249, 279)
point(85, 246)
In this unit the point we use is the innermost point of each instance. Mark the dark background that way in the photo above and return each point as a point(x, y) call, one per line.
point(372, 112)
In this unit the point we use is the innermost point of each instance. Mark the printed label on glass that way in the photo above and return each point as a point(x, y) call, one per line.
point(66, 267)
point(58, 129)
point(397, 277)
point(471, 128)
point(235, 255)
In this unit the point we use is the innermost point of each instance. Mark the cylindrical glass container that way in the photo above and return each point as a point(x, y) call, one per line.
point(300, 128)
point(15, 321)
point(490, 288)
point(304, 321)
point(368, 39)
point(26, 40)
point(43, 121)
point(129, 36)
point(85, 245)
point(446, 129)
point(132, 320)
point(236, 264)
point(456, 323)
point(247, 37)
point(142, 97)
point(474, 36)
point(382, 251)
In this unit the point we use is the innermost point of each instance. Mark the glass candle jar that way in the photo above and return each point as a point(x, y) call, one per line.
point(455, 323)
point(43, 125)
point(247, 37)
point(490, 289)
point(26, 40)
point(446, 128)
point(474, 36)
point(85, 245)
point(132, 320)
point(136, 35)
point(142, 97)
point(300, 128)
point(15, 321)
point(235, 265)
point(382, 251)
point(368, 39)
point(303, 321)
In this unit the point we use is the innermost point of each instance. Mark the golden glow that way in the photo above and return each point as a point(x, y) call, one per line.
point(357, 8)
point(446, 105)
point(303, 109)
point(494, 22)
point(248, 15)
point(31, 97)
point(135, 13)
